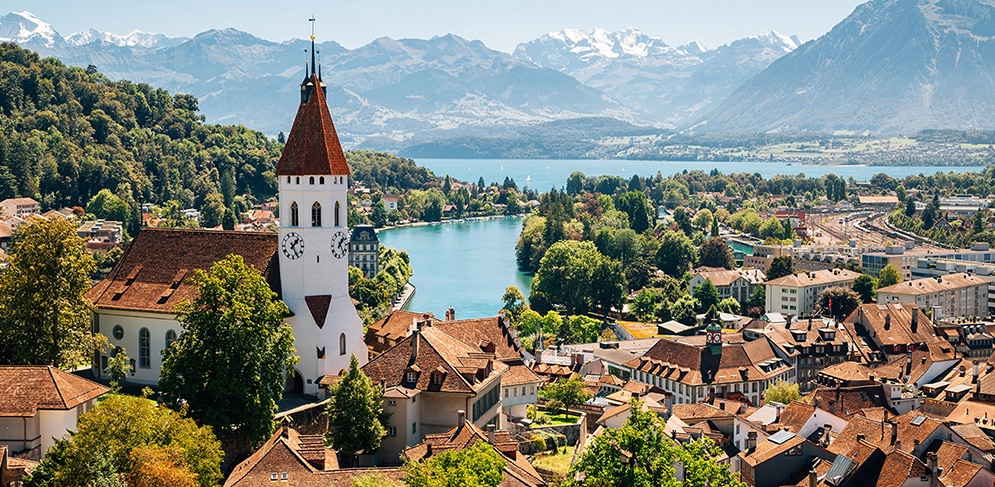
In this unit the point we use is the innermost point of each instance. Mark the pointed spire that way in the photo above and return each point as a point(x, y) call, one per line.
point(312, 44)
point(319, 71)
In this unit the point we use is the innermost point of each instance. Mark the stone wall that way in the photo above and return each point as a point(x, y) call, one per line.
point(571, 432)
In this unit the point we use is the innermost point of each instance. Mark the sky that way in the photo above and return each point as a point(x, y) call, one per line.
point(500, 25)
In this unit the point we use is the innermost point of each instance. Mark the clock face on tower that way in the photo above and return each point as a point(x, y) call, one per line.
point(340, 244)
point(293, 245)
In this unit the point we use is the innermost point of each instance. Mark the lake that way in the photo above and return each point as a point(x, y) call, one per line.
point(465, 265)
point(543, 174)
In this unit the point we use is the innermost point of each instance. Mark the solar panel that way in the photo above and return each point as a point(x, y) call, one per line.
point(781, 437)
point(918, 420)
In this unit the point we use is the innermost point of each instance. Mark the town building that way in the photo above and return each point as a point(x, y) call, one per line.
point(738, 283)
point(932, 267)
point(364, 250)
point(798, 294)
point(878, 202)
point(905, 259)
point(305, 263)
point(962, 205)
point(775, 461)
point(14, 469)
point(20, 207)
point(893, 328)
point(390, 202)
point(290, 458)
point(39, 404)
point(700, 367)
point(810, 346)
point(950, 295)
point(101, 234)
point(970, 337)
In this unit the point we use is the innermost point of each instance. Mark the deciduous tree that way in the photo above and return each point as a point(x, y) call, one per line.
point(888, 276)
point(707, 295)
point(677, 254)
point(715, 252)
point(229, 363)
point(566, 392)
point(44, 312)
point(864, 286)
point(355, 414)
point(478, 465)
point(782, 392)
point(844, 300)
point(780, 267)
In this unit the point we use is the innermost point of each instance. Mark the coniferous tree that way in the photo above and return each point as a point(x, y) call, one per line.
point(780, 267)
point(355, 414)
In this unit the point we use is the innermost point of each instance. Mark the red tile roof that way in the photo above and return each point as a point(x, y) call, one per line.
point(24, 389)
point(313, 146)
point(153, 275)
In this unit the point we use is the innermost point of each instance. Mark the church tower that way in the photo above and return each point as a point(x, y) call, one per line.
point(314, 241)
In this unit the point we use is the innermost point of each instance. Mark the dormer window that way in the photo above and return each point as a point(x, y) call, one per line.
point(410, 377)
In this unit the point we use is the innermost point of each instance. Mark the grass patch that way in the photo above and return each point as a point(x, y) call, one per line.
point(558, 462)
point(556, 419)
point(639, 330)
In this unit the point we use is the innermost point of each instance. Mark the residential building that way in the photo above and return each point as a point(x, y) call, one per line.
point(810, 346)
point(893, 328)
point(289, 458)
point(364, 250)
point(699, 367)
point(970, 337)
point(14, 469)
point(390, 202)
point(950, 295)
point(428, 377)
point(518, 471)
point(20, 207)
point(519, 389)
point(101, 234)
point(391, 329)
point(798, 294)
point(932, 267)
point(305, 263)
point(737, 283)
point(963, 205)
point(904, 260)
point(39, 404)
point(776, 460)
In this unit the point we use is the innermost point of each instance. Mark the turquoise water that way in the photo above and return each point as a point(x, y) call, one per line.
point(550, 173)
point(464, 265)
point(746, 249)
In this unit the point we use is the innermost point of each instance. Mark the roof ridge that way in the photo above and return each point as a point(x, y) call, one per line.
point(443, 357)
point(57, 388)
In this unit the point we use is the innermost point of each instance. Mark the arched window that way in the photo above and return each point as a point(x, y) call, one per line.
point(337, 208)
point(321, 180)
point(294, 217)
point(311, 181)
point(297, 180)
point(170, 338)
point(316, 214)
point(342, 344)
point(144, 349)
point(288, 179)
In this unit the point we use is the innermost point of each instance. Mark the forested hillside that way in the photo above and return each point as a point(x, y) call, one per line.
point(66, 133)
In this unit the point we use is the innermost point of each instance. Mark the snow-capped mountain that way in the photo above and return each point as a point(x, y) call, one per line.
point(673, 84)
point(135, 38)
point(26, 29)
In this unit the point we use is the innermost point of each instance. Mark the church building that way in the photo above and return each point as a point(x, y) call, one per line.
point(306, 263)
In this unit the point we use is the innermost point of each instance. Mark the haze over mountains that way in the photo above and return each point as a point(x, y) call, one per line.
point(891, 67)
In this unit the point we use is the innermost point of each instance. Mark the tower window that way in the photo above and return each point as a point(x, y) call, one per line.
point(144, 349)
point(337, 211)
point(297, 180)
point(294, 214)
point(321, 180)
point(311, 181)
point(342, 344)
point(316, 214)
point(288, 179)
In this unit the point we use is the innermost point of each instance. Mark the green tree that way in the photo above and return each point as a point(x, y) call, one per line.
point(118, 367)
point(575, 183)
point(844, 300)
point(889, 276)
point(158, 467)
point(607, 285)
point(676, 255)
point(707, 295)
point(772, 228)
point(45, 313)
point(478, 465)
point(715, 225)
point(715, 252)
point(758, 297)
point(646, 304)
point(565, 276)
point(638, 209)
point(780, 267)
point(213, 210)
point(729, 305)
point(514, 303)
point(108, 206)
point(782, 392)
point(355, 414)
point(114, 430)
point(703, 219)
point(566, 392)
point(379, 215)
point(642, 454)
point(910, 207)
point(685, 310)
point(229, 363)
point(374, 480)
point(864, 286)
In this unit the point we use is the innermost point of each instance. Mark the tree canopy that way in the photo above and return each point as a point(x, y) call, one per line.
point(676, 255)
point(716, 252)
point(844, 300)
point(566, 392)
point(782, 392)
point(229, 363)
point(355, 413)
point(578, 277)
point(478, 465)
point(888, 276)
point(780, 267)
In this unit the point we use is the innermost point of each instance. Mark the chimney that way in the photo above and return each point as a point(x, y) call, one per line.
point(887, 322)
point(383, 384)
point(894, 432)
point(460, 417)
point(426, 320)
point(826, 430)
point(915, 318)
point(415, 341)
point(915, 447)
point(428, 449)
point(450, 314)
point(861, 437)
point(898, 444)
point(976, 370)
point(813, 479)
point(285, 428)
point(809, 323)
point(934, 475)
point(751, 440)
point(490, 433)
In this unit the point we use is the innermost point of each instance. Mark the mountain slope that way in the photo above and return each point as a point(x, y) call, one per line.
point(673, 84)
point(892, 66)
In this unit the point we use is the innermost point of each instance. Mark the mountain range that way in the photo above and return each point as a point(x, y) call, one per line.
point(891, 67)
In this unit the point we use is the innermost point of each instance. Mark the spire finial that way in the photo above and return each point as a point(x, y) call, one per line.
point(312, 43)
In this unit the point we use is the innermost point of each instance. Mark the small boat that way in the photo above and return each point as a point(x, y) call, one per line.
point(528, 179)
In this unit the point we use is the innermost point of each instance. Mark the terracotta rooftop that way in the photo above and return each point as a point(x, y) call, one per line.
point(815, 278)
point(689, 361)
point(851, 400)
point(24, 389)
point(932, 285)
point(960, 473)
point(313, 146)
point(519, 374)
point(517, 471)
point(847, 371)
point(153, 275)
point(896, 330)
point(794, 416)
point(484, 331)
point(397, 324)
point(438, 354)
point(725, 277)
point(899, 467)
point(767, 450)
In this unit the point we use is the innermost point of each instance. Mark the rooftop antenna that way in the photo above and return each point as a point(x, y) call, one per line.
point(312, 43)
